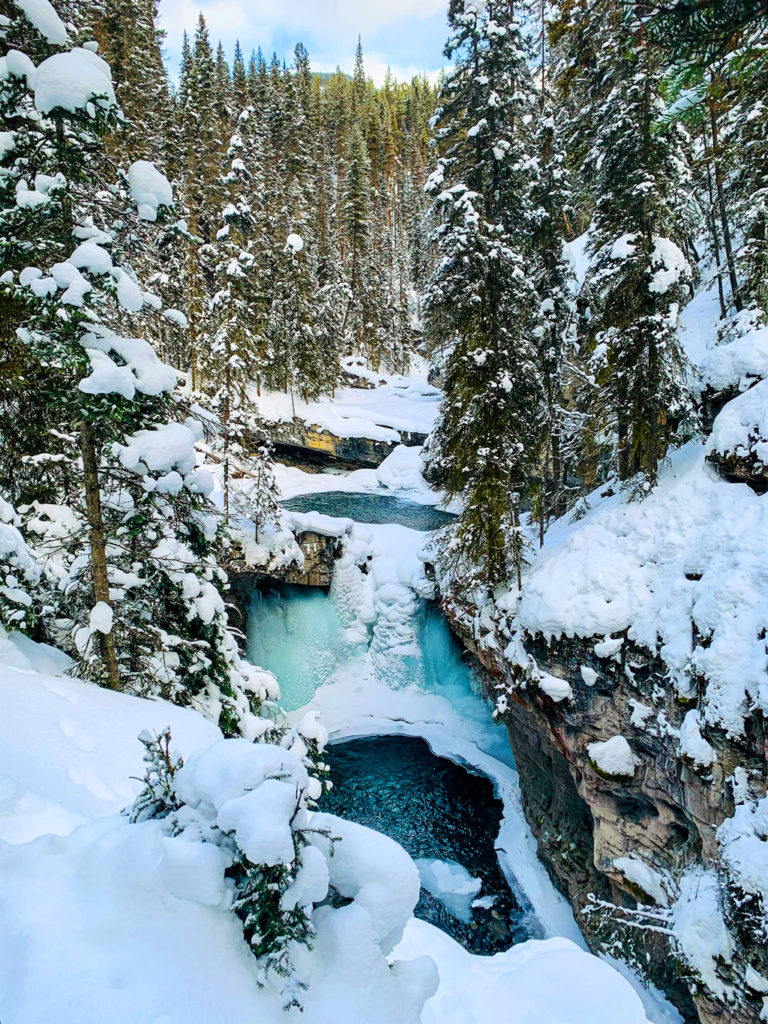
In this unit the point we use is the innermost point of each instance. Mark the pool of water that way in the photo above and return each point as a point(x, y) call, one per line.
point(436, 810)
point(372, 508)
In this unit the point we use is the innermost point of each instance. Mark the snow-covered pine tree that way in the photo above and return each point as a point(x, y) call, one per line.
point(552, 212)
point(131, 43)
point(239, 314)
point(481, 296)
point(133, 590)
point(639, 401)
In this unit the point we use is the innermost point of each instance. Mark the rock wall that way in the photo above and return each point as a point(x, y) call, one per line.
point(320, 554)
point(667, 811)
point(306, 446)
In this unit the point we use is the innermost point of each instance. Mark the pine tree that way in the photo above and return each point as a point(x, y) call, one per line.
point(480, 296)
point(132, 588)
point(639, 270)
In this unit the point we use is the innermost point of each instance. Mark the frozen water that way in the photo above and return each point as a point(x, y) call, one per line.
point(296, 633)
point(451, 884)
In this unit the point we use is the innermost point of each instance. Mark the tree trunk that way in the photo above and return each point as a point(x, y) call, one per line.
point(98, 547)
point(722, 208)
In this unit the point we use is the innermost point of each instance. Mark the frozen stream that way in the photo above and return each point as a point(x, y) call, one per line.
point(376, 658)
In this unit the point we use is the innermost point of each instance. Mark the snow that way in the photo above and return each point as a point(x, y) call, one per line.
point(699, 928)
point(645, 877)
point(738, 362)
point(380, 414)
point(743, 841)
point(294, 243)
point(139, 368)
point(623, 247)
point(163, 449)
point(85, 758)
point(741, 427)
point(671, 263)
point(400, 473)
point(72, 80)
point(692, 550)
point(150, 189)
point(45, 19)
point(555, 688)
point(261, 822)
point(102, 617)
point(317, 522)
point(613, 756)
point(535, 982)
point(692, 744)
point(451, 884)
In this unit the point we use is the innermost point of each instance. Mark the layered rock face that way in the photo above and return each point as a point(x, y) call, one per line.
point(624, 834)
point(300, 444)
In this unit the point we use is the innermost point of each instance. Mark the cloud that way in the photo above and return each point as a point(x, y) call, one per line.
point(405, 34)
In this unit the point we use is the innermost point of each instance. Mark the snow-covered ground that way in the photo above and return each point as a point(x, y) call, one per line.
point(395, 404)
point(108, 920)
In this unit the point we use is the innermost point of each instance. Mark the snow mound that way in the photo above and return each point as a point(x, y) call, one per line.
point(71, 80)
point(535, 982)
point(613, 756)
point(45, 19)
point(692, 551)
point(150, 189)
point(741, 427)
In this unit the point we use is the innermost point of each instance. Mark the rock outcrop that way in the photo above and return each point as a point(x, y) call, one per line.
point(622, 839)
point(301, 444)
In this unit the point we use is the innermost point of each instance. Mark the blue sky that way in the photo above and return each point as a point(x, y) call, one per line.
point(407, 35)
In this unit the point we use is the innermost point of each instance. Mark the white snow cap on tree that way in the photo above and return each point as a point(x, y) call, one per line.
point(294, 243)
point(45, 19)
point(72, 80)
point(150, 189)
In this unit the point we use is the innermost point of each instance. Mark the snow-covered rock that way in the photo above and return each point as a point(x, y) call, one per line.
point(613, 757)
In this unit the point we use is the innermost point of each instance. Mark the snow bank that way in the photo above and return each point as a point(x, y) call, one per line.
point(737, 363)
point(98, 923)
point(69, 750)
point(741, 427)
point(536, 982)
point(402, 404)
point(692, 551)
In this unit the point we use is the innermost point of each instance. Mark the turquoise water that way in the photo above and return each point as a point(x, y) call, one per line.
point(296, 633)
point(435, 809)
point(372, 508)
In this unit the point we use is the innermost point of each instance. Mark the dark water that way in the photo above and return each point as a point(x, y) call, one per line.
point(434, 809)
point(371, 508)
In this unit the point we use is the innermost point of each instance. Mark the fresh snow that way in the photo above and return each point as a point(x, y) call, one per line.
point(45, 19)
point(150, 189)
point(692, 551)
point(613, 756)
point(72, 80)
point(535, 982)
point(380, 413)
